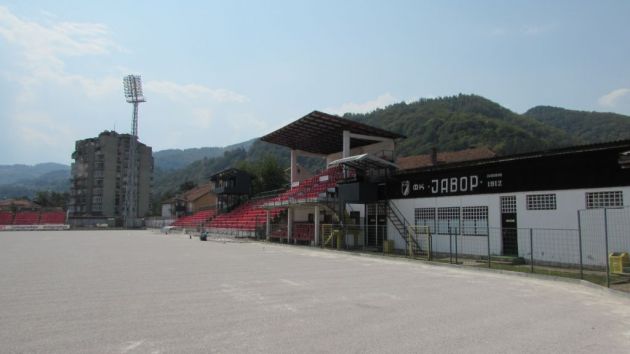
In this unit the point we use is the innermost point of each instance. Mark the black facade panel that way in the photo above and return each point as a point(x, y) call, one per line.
point(583, 169)
point(360, 192)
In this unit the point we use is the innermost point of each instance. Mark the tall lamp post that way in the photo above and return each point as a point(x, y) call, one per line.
point(133, 94)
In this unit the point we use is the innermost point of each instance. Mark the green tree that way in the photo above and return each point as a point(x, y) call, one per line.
point(42, 198)
point(271, 174)
point(51, 199)
point(267, 173)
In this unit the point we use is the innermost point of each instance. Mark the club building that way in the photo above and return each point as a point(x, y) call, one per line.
point(478, 205)
point(504, 198)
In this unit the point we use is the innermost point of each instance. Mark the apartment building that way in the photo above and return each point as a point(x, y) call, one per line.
point(99, 178)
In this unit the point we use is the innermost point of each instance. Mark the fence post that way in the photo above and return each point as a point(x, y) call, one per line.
point(408, 241)
point(580, 244)
point(365, 236)
point(531, 249)
point(430, 238)
point(456, 261)
point(450, 246)
point(606, 242)
point(488, 239)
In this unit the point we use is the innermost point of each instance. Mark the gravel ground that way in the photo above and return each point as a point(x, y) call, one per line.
point(143, 292)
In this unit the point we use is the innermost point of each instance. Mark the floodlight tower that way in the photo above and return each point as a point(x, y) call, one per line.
point(133, 94)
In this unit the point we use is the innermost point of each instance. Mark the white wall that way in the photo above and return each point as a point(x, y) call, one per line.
point(555, 232)
point(301, 213)
point(167, 210)
point(356, 207)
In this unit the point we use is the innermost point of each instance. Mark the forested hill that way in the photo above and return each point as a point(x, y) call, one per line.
point(589, 127)
point(166, 183)
point(448, 123)
point(174, 159)
point(25, 181)
point(464, 121)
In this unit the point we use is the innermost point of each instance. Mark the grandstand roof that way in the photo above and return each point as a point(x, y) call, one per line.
point(322, 133)
point(364, 162)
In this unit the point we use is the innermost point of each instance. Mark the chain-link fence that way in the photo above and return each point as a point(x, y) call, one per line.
point(605, 240)
point(582, 253)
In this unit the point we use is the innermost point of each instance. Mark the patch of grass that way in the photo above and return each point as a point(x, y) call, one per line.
point(596, 277)
point(591, 276)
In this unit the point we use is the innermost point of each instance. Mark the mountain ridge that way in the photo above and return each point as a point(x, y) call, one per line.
point(446, 123)
point(590, 127)
point(173, 159)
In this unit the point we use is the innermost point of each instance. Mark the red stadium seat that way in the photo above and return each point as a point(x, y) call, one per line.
point(197, 219)
point(52, 217)
point(26, 218)
point(6, 218)
point(246, 217)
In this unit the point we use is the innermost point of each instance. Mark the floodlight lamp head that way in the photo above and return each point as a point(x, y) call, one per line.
point(133, 89)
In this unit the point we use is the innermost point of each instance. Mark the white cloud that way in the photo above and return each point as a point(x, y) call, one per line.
point(55, 102)
point(40, 131)
point(42, 49)
point(364, 107)
point(43, 46)
point(179, 92)
point(39, 52)
point(610, 99)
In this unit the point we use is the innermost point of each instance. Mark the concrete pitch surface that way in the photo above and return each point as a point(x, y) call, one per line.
point(142, 292)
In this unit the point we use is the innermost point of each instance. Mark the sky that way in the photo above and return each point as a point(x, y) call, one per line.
point(217, 73)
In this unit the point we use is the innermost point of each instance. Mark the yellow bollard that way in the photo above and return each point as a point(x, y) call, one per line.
point(388, 246)
point(337, 237)
point(339, 241)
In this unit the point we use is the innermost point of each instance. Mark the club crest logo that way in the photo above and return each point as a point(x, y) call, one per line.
point(405, 188)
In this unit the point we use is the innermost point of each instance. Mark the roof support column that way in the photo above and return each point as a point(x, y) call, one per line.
point(268, 224)
point(289, 224)
point(316, 233)
point(294, 175)
point(346, 144)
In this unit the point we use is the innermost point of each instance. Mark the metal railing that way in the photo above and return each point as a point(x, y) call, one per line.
point(405, 229)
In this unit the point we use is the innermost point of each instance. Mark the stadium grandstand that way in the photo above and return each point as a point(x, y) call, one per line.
point(22, 214)
point(359, 157)
point(6, 218)
point(52, 217)
point(195, 220)
point(235, 213)
point(32, 219)
point(310, 190)
point(376, 201)
point(294, 215)
point(244, 219)
point(26, 218)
